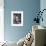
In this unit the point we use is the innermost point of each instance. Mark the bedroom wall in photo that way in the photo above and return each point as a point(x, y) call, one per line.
point(29, 7)
point(43, 6)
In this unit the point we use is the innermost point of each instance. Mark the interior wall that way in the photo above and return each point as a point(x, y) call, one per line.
point(29, 8)
point(43, 6)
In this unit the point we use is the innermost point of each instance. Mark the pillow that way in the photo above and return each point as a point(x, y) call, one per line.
point(21, 42)
point(28, 39)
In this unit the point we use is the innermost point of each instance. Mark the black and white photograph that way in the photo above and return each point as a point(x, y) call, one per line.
point(17, 18)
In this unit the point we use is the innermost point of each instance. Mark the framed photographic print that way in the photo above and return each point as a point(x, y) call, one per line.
point(17, 18)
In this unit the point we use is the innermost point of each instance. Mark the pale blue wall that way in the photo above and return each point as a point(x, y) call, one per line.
point(43, 6)
point(29, 7)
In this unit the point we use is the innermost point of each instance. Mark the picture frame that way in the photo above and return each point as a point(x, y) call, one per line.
point(16, 18)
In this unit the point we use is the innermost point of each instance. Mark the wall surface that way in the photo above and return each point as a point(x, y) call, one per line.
point(43, 6)
point(29, 7)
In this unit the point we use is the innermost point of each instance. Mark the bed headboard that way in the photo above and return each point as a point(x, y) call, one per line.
point(39, 36)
